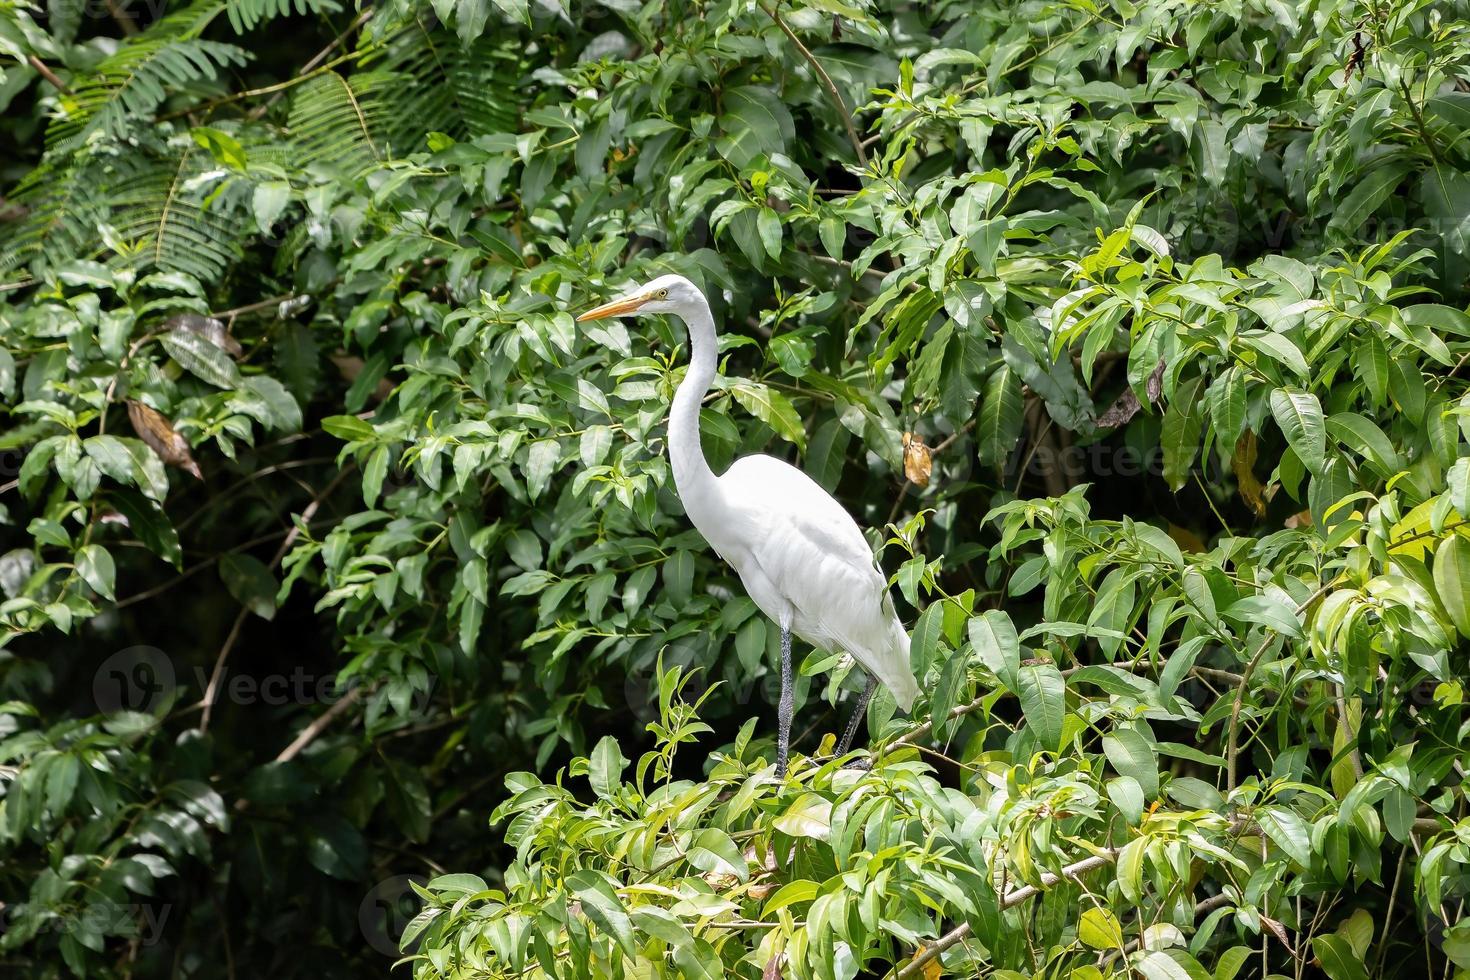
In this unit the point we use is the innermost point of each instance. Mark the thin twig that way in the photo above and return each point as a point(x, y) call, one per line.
point(826, 79)
point(903, 491)
point(1013, 898)
point(204, 563)
point(316, 60)
point(1232, 736)
point(217, 676)
point(310, 733)
point(256, 307)
point(47, 73)
point(912, 736)
point(125, 22)
point(320, 723)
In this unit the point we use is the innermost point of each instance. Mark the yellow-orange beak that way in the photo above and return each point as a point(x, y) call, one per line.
point(618, 307)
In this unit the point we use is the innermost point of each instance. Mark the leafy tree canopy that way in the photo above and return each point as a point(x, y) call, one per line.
point(335, 553)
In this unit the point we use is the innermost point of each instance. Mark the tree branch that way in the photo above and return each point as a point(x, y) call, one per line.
point(47, 73)
point(1232, 736)
point(216, 677)
point(826, 79)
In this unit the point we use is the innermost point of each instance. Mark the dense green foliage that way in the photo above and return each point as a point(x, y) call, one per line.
point(1175, 290)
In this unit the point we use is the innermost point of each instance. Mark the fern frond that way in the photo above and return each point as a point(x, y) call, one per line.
point(343, 122)
point(160, 220)
point(459, 90)
point(63, 204)
point(130, 84)
point(246, 14)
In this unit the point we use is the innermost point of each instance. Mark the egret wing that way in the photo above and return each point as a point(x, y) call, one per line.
point(816, 557)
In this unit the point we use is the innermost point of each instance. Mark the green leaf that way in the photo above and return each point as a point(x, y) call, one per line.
point(1100, 929)
point(714, 852)
point(678, 576)
point(605, 767)
point(768, 225)
point(999, 424)
point(1267, 611)
point(1452, 580)
point(1338, 960)
point(147, 520)
point(772, 408)
point(993, 636)
point(1230, 962)
point(1300, 416)
point(250, 582)
point(1365, 438)
point(95, 567)
point(1180, 435)
point(202, 358)
point(1127, 796)
point(1043, 695)
point(601, 904)
point(792, 893)
point(349, 428)
point(809, 816)
point(1371, 360)
point(1367, 195)
point(1132, 755)
point(1170, 964)
point(1289, 832)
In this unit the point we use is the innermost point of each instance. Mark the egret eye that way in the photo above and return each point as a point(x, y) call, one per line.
point(663, 294)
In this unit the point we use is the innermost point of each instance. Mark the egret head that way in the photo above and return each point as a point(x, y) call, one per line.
point(666, 294)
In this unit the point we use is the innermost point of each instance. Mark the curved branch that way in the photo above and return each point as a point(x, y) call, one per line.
point(827, 83)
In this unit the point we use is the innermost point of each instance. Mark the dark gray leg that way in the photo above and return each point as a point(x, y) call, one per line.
point(785, 707)
point(858, 712)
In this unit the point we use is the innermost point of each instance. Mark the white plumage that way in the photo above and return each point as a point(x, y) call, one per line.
point(800, 555)
point(806, 564)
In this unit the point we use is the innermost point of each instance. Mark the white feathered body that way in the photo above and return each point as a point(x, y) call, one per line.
point(805, 563)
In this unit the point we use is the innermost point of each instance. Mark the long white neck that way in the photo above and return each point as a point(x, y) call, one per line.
point(692, 475)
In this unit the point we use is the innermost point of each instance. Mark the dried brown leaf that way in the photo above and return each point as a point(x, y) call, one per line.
point(918, 459)
point(931, 970)
point(1155, 385)
point(1279, 931)
point(1186, 539)
point(350, 366)
point(207, 327)
point(1242, 463)
point(160, 436)
point(1121, 411)
point(773, 968)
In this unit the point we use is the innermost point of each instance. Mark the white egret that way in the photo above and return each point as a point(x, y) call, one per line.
point(800, 555)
